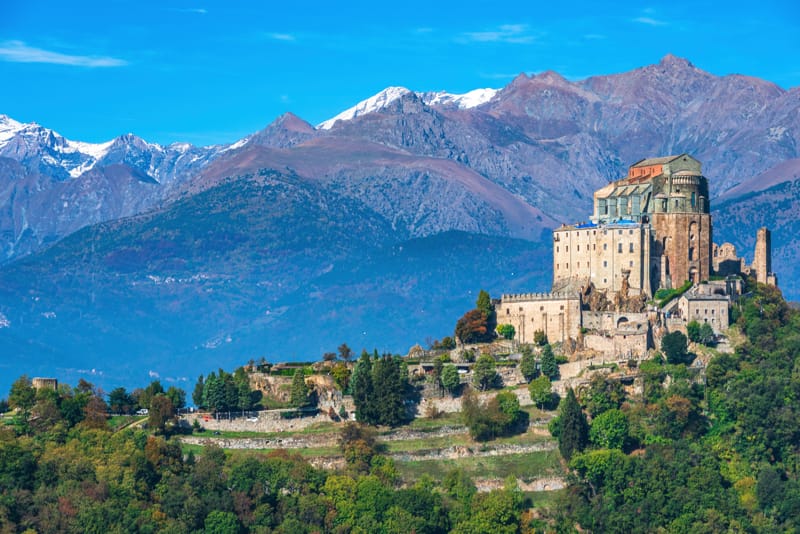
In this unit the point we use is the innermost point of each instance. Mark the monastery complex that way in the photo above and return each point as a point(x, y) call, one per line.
point(650, 230)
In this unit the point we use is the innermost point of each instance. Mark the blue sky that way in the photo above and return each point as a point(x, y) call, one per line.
point(213, 71)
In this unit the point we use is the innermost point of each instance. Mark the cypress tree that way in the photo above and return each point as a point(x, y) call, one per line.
point(574, 429)
point(549, 365)
point(527, 365)
point(299, 396)
point(361, 384)
point(388, 386)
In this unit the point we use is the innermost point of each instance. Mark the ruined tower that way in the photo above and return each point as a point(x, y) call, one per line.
point(762, 260)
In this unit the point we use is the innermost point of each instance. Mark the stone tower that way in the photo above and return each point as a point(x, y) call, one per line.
point(669, 196)
point(762, 260)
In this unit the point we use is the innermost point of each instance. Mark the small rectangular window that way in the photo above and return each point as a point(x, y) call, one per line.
point(630, 248)
point(605, 246)
point(605, 263)
point(619, 248)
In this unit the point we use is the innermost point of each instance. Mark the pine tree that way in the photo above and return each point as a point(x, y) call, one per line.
point(574, 429)
point(484, 374)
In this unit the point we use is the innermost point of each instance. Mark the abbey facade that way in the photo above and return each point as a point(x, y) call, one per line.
point(650, 230)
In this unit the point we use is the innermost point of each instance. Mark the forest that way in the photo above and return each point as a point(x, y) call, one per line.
point(712, 450)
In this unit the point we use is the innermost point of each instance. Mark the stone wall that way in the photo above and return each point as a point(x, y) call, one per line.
point(599, 254)
point(618, 345)
point(558, 316)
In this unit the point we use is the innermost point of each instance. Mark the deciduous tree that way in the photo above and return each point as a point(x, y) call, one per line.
point(450, 378)
point(540, 390)
point(675, 348)
point(609, 430)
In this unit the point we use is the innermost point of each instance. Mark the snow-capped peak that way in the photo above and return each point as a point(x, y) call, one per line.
point(373, 103)
point(9, 128)
point(75, 157)
point(468, 100)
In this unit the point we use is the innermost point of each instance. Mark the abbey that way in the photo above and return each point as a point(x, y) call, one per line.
point(650, 230)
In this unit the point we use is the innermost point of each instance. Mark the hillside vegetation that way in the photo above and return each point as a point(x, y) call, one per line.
point(695, 452)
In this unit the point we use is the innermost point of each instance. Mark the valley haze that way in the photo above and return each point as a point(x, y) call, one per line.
point(127, 260)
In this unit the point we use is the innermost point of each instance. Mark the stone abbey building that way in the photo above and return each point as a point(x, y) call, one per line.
point(650, 230)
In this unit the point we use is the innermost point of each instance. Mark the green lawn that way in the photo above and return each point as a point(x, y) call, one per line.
point(425, 424)
point(317, 428)
point(526, 466)
point(545, 499)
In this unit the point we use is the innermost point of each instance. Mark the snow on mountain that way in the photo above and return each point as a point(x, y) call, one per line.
point(468, 100)
point(23, 140)
point(9, 128)
point(373, 103)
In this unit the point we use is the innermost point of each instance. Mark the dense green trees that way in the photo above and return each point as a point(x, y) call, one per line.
point(609, 430)
point(506, 331)
point(713, 452)
point(381, 390)
point(700, 333)
point(602, 395)
point(675, 347)
point(498, 416)
point(224, 391)
point(715, 457)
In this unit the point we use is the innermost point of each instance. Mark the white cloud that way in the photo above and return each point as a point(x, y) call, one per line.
point(507, 33)
point(153, 374)
point(19, 52)
point(650, 21)
point(282, 36)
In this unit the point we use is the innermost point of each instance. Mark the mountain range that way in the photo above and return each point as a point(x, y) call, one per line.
point(371, 228)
